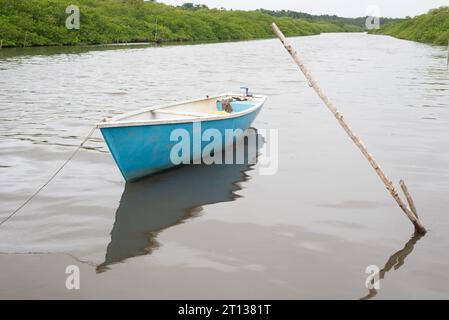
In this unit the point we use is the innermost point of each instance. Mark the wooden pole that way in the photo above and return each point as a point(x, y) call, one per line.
point(314, 84)
point(411, 204)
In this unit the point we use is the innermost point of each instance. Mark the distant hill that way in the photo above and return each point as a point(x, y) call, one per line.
point(42, 23)
point(432, 27)
point(360, 21)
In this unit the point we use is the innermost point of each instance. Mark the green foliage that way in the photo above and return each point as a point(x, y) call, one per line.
point(42, 22)
point(359, 22)
point(432, 27)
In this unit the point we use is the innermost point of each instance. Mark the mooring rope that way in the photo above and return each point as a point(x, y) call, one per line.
point(50, 179)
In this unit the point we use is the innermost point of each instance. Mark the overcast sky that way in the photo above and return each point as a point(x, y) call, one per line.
point(345, 8)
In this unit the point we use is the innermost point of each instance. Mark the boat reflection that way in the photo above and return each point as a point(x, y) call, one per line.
point(395, 262)
point(153, 204)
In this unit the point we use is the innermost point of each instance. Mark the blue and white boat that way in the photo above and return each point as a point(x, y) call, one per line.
point(141, 142)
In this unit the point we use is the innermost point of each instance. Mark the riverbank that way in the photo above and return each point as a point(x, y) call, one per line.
point(43, 23)
point(432, 27)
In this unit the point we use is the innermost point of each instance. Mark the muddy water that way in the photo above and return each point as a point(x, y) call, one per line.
point(308, 231)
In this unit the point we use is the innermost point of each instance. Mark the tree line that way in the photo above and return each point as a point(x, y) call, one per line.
point(432, 27)
point(43, 23)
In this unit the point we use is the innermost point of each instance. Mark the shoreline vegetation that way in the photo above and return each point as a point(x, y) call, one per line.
point(34, 23)
point(432, 27)
point(26, 23)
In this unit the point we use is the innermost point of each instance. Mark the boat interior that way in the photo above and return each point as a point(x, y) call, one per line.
point(218, 106)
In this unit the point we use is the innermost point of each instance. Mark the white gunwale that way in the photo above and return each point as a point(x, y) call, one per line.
point(191, 116)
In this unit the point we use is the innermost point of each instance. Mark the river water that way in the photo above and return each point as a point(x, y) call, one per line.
point(308, 231)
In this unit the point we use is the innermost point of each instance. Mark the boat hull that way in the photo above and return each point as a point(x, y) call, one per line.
point(146, 149)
